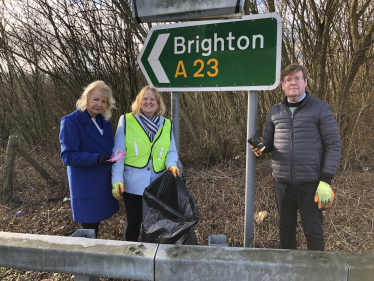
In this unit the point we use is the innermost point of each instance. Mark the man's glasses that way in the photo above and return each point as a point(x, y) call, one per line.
point(296, 79)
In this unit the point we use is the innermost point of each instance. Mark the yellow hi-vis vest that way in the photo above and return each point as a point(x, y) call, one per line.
point(139, 148)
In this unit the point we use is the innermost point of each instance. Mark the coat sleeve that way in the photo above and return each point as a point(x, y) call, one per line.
point(119, 142)
point(172, 155)
point(328, 129)
point(70, 145)
point(268, 137)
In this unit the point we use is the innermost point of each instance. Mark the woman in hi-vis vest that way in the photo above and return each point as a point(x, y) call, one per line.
point(148, 141)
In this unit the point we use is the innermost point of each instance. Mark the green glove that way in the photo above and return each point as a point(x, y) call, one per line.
point(117, 189)
point(174, 170)
point(324, 195)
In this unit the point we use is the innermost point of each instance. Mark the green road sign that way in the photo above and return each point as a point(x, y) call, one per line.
point(222, 55)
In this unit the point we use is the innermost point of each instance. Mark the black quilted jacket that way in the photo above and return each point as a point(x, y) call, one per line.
point(304, 145)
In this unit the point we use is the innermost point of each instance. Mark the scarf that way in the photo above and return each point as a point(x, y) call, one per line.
point(150, 125)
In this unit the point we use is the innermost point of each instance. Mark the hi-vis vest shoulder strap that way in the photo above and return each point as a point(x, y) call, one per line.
point(139, 148)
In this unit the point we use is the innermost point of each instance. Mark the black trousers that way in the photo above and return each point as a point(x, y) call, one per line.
point(134, 209)
point(94, 226)
point(291, 198)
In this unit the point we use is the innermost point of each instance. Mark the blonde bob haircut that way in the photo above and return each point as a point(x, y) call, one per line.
point(135, 107)
point(104, 90)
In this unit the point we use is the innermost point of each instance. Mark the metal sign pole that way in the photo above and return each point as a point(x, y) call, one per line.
point(175, 120)
point(250, 172)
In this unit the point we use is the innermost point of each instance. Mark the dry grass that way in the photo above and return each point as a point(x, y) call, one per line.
point(348, 225)
point(219, 191)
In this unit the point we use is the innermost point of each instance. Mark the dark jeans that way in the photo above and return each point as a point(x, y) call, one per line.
point(91, 226)
point(134, 208)
point(291, 198)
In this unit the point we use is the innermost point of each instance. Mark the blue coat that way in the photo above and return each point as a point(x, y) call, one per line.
point(89, 182)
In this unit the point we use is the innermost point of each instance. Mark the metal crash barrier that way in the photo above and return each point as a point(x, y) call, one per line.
point(145, 261)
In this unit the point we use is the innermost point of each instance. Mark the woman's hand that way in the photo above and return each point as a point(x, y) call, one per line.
point(102, 160)
point(174, 170)
point(117, 190)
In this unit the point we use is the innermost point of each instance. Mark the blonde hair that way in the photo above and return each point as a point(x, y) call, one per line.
point(104, 90)
point(135, 107)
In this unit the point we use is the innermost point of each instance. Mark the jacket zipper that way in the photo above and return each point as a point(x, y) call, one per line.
point(292, 124)
point(291, 138)
point(292, 162)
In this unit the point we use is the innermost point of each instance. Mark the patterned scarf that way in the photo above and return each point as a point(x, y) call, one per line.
point(150, 125)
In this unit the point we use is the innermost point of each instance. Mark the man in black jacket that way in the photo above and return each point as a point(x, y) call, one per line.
point(303, 136)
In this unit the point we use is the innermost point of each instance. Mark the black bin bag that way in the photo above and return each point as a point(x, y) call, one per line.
point(169, 211)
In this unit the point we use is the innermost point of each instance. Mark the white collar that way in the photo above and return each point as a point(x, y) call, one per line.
point(97, 126)
point(298, 100)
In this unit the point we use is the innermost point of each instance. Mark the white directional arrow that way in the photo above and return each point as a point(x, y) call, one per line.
point(153, 58)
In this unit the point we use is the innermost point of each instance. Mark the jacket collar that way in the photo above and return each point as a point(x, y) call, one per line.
point(83, 116)
point(304, 101)
point(85, 119)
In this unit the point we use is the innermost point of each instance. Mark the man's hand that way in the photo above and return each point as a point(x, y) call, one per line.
point(324, 195)
point(174, 170)
point(102, 160)
point(255, 150)
point(117, 190)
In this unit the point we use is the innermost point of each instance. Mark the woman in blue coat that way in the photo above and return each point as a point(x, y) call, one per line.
point(86, 138)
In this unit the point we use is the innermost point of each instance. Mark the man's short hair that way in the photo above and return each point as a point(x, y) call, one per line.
point(292, 69)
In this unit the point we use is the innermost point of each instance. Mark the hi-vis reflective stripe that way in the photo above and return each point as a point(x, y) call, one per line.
point(136, 148)
point(162, 149)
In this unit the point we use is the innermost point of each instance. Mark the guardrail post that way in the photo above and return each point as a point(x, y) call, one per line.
point(217, 240)
point(88, 233)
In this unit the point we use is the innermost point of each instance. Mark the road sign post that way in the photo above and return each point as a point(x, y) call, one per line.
point(250, 170)
point(175, 120)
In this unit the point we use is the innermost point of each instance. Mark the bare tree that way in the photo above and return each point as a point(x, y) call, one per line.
point(51, 50)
